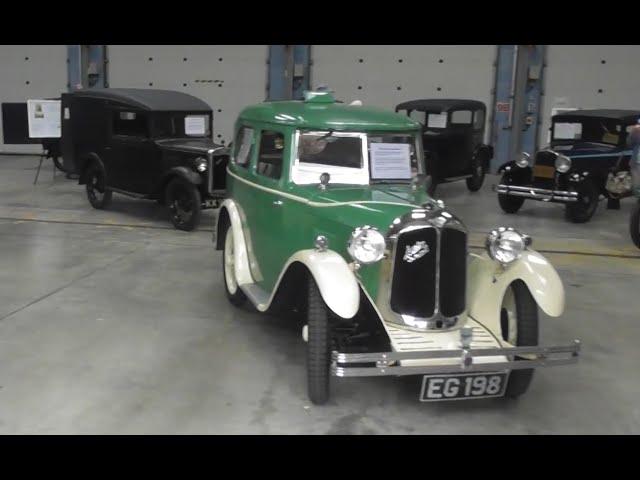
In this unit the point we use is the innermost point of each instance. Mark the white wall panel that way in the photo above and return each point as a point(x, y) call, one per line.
point(385, 75)
point(31, 71)
point(590, 76)
point(227, 77)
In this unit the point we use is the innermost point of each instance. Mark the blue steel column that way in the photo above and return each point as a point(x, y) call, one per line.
point(96, 70)
point(74, 67)
point(277, 65)
point(533, 96)
point(301, 68)
point(288, 71)
point(85, 66)
point(503, 106)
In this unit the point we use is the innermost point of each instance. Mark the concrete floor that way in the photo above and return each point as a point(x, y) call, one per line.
point(111, 322)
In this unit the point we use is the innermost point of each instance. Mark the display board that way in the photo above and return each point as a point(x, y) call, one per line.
point(609, 77)
point(227, 77)
point(385, 75)
point(31, 71)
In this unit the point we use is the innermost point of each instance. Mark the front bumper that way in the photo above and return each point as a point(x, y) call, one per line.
point(454, 361)
point(541, 194)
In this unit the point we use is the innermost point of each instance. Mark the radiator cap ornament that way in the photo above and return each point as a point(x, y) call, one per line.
point(415, 251)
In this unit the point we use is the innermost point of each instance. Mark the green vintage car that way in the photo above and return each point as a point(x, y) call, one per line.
point(327, 216)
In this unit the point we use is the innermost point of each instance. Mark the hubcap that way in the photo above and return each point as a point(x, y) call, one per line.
point(181, 208)
point(229, 263)
point(95, 189)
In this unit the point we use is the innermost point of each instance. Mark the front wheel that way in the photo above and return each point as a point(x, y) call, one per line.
point(185, 204)
point(519, 325)
point(318, 343)
point(509, 203)
point(588, 196)
point(634, 224)
point(97, 192)
point(474, 183)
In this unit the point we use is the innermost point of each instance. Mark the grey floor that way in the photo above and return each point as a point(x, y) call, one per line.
point(111, 322)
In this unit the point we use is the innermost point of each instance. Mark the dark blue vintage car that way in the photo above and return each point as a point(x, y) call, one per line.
point(588, 157)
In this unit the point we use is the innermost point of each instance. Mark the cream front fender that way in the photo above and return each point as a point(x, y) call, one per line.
point(241, 263)
point(488, 282)
point(336, 281)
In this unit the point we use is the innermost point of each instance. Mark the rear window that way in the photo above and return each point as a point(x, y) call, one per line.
point(461, 117)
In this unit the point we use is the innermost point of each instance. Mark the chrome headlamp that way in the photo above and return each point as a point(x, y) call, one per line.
point(505, 245)
point(366, 245)
point(563, 163)
point(201, 164)
point(523, 160)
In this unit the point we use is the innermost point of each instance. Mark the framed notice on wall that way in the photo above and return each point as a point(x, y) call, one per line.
point(44, 118)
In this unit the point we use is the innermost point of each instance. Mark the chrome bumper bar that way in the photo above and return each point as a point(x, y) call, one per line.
point(387, 363)
point(541, 194)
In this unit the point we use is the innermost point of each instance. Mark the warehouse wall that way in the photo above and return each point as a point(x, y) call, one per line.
point(31, 71)
point(227, 77)
point(593, 76)
point(385, 75)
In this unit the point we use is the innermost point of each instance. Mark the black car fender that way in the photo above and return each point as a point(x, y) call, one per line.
point(180, 172)
point(88, 160)
point(516, 173)
point(487, 150)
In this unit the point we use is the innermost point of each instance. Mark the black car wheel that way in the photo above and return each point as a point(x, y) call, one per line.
point(185, 204)
point(97, 192)
point(235, 295)
point(474, 183)
point(318, 342)
point(588, 196)
point(509, 203)
point(634, 224)
point(519, 324)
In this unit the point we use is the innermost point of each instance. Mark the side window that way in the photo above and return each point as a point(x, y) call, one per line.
point(130, 124)
point(243, 147)
point(461, 117)
point(271, 154)
point(478, 120)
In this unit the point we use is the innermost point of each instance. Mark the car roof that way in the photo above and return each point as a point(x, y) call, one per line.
point(441, 104)
point(148, 99)
point(630, 116)
point(328, 115)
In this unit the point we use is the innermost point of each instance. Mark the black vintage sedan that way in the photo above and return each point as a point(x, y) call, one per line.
point(587, 158)
point(145, 143)
point(453, 139)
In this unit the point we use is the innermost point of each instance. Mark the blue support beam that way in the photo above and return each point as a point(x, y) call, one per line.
point(503, 107)
point(288, 71)
point(86, 66)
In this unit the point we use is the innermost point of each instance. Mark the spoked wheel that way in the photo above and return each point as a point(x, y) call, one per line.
point(519, 325)
point(235, 295)
point(634, 224)
point(582, 210)
point(185, 204)
point(98, 194)
point(318, 343)
point(475, 182)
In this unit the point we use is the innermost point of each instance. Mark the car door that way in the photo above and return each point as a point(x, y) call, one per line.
point(130, 152)
point(270, 204)
point(460, 143)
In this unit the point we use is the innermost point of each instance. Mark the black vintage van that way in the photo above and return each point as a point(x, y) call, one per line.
point(453, 139)
point(145, 143)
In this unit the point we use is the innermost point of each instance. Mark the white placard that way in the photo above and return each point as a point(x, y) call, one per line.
point(44, 118)
point(195, 125)
point(567, 131)
point(437, 120)
point(390, 161)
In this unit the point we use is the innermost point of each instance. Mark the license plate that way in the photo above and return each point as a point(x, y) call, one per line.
point(544, 171)
point(462, 386)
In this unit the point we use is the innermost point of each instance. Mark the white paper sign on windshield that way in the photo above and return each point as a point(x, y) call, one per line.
point(437, 120)
point(390, 161)
point(567, 131)
point(195, 125)
point(44, 118)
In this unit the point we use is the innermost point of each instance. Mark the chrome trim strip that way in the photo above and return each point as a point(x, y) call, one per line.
point(534, 193)
point(210, 171)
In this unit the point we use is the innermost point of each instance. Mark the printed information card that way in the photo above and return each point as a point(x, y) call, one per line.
point(390, 161)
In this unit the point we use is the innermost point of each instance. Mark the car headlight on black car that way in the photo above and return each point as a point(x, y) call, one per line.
point(366, 245)
point(201, 164)
point(523, 160)
point(505, 245)
point(563, 163)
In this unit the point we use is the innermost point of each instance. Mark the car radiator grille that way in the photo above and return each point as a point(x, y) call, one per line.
point(435, 282)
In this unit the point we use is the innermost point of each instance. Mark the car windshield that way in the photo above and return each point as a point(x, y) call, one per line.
point(595, 130)
point(181, 125)
point(357, 158)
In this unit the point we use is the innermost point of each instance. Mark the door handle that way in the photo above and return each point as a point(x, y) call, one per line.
point(277, 203)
